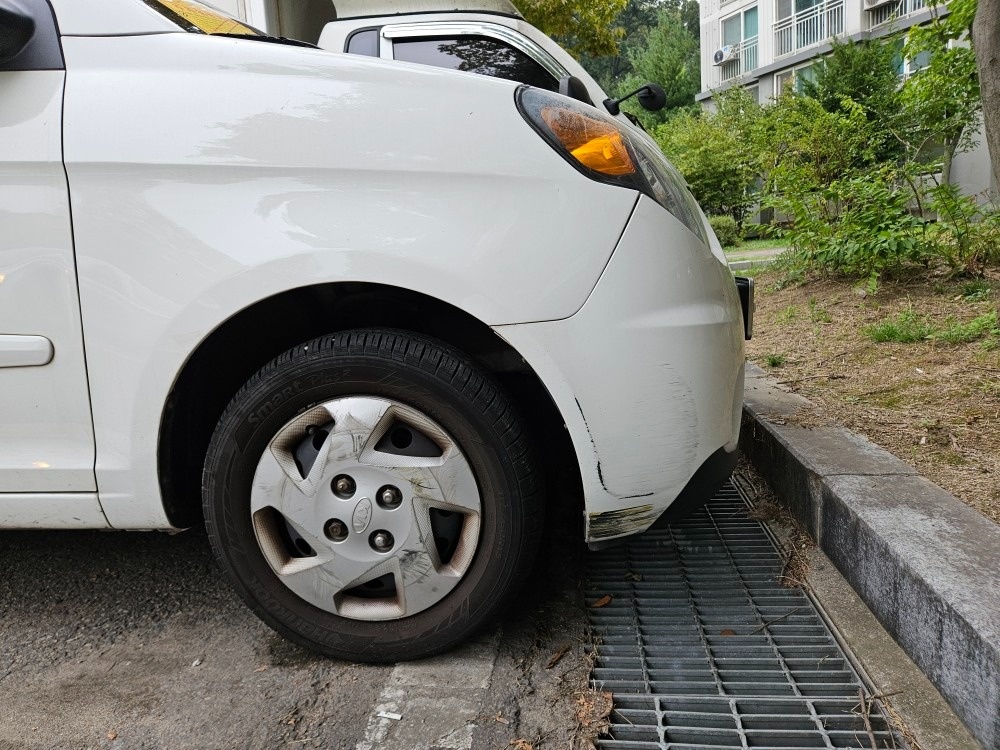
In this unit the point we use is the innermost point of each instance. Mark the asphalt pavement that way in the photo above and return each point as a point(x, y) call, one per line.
point(134, 640)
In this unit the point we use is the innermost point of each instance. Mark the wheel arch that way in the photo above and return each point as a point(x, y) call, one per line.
point(226, 358)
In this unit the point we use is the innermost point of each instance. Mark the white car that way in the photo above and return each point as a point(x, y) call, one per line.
point(489, 37)
point(329, 303)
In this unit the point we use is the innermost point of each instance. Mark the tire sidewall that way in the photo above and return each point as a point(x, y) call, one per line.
point(266, 406)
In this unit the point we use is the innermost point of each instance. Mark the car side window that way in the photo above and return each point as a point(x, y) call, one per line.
point(476, 54)
point(363, 42)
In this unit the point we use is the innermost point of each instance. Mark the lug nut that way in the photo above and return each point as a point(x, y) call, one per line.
point(335, 530)
point(381, 541)
point(343, 486)
point(390, 497)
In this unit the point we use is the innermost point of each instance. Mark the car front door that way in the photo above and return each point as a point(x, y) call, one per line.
point(46, 432)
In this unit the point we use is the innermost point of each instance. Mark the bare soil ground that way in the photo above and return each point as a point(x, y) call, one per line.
point(935, 405)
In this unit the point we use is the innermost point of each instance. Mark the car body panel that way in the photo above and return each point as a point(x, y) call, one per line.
point(295, 172)
point(46, 435)
point(646, 411)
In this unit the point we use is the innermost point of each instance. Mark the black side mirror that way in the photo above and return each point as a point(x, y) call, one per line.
point(574, 88)
point(16, 30)
point(651, 97)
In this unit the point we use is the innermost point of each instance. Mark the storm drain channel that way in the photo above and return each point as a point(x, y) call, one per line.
point(702, 647)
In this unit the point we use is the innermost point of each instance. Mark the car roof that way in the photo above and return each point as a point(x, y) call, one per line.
point(363, 8)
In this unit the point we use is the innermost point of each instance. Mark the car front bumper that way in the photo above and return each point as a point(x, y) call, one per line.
point(648, 375)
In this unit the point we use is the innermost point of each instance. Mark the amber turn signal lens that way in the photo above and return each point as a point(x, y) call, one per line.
point(596, 144)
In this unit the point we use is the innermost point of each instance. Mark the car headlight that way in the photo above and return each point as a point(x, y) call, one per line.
point(604, 149)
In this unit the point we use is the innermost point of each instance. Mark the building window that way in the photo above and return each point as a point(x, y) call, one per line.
point(803, 23)
point(739, 35)
point(792, 79)
point(907, 66)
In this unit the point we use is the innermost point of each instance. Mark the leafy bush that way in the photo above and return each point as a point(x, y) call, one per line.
point(968, 234)
point(714, 152)
point(726, 230)
point(860, 225)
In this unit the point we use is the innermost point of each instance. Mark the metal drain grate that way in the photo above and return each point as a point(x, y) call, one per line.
point(703, 648)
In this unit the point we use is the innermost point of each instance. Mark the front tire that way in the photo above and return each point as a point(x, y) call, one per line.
point(372, 496)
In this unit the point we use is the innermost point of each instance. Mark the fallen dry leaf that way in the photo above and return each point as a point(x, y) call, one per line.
point(604, 601)
point(520, 744)
point(501, 719)
point(593, 708)
point(112, 735)
point(557, 656)
point(728, 631)
point(633, 577)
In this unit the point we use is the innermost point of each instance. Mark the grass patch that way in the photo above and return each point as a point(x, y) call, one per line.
point(789, 314)
point(774, 360)
point(766, 243)
point(817, 314)
point(976, 291)
point(906, 328)
point(975, 329)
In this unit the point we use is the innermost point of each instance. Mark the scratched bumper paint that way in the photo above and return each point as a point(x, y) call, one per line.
point(648, 375)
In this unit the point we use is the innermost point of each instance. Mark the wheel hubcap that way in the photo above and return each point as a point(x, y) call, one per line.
point(366, 508)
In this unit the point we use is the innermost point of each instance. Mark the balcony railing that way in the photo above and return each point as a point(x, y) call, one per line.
point(890, 11)
point(744, 62)
point(808, 27)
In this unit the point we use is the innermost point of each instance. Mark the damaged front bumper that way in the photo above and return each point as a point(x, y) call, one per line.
point(648, 375)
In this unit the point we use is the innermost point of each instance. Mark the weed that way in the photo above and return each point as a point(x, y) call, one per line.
point(976, 291)
point(774, 360)
point(963, 333)
point(817, 314)
point(788, 314)
point(906, 328)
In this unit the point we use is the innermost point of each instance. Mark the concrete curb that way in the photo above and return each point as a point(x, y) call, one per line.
point(924, 562)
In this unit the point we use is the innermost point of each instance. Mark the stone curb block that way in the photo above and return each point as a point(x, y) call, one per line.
point(925, 563)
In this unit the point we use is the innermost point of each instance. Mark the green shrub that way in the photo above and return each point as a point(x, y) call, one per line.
point(968, 232)
point(726, 230)
point(860, 225)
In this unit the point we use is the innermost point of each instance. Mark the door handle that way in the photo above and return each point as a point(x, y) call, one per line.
point(25, 351)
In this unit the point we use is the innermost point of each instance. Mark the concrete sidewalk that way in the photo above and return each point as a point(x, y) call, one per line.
point(923, 562)
point(741, 260)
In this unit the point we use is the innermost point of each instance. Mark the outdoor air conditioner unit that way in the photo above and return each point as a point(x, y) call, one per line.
point(872, 4)
point(727, 53)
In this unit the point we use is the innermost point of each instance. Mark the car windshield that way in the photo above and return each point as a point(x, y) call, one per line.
point(198, 18)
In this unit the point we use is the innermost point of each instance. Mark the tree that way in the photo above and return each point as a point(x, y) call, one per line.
point(635, 21)
point(941, 101)
point(583, 26)
point(863, 73)
point(986, 40)
point(713, 152)
point(670, 57)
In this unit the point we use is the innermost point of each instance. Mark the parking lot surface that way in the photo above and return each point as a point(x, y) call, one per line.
point(135, 640)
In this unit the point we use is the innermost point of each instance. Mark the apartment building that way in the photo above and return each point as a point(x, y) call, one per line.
point(767, 46)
